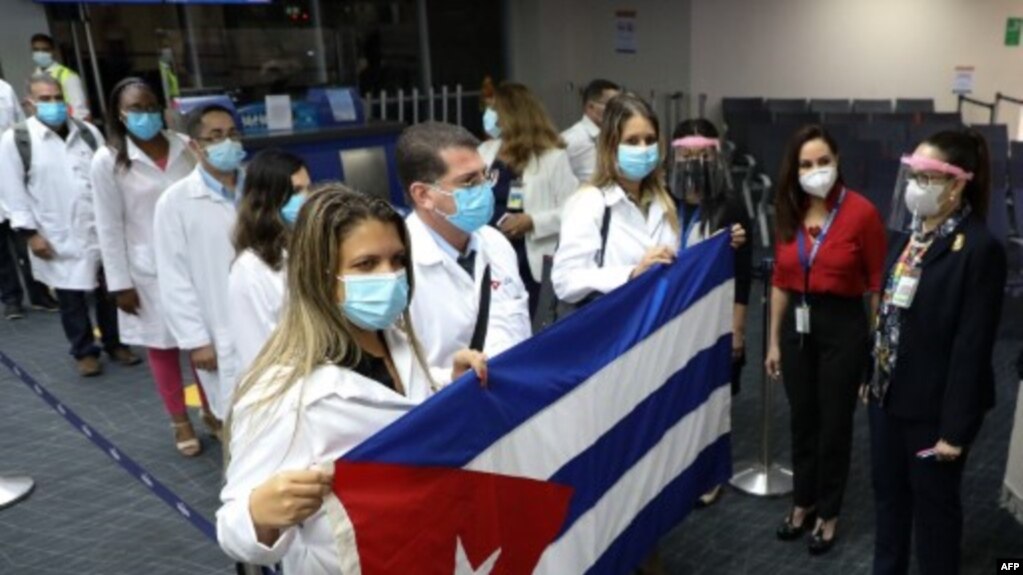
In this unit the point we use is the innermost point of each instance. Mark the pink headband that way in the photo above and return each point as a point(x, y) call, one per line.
point(696, 142)
point(922, 163)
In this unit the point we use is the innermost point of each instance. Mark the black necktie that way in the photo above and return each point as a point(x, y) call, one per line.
point(468, 263)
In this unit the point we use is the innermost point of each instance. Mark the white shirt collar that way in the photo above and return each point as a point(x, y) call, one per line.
point(136, 154)
point(592, 130)
point(449, 249)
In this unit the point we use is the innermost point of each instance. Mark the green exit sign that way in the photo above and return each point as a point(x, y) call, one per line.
point(1013, 28)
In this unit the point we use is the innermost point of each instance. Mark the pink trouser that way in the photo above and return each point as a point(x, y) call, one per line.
point(166, 367)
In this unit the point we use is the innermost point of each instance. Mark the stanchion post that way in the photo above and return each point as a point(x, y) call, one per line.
point(14, 489)
point(765, 478)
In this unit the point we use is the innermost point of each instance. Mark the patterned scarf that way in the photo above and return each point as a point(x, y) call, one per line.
point(886, 338)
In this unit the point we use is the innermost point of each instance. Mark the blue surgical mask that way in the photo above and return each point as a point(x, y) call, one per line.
point(490, 124)
point(374, 302)
point(226, 156)
point(637, 162)
point(290, 210)
point(42, 59)
point(473, 207)
point(143, 125)
point(53, 114)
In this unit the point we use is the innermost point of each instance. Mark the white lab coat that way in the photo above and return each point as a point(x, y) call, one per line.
point(575, 273)
point(10, 114)
point(10, 108)
point(256, 299)
point(547, 183)
point(319, 419)
point(125, 202)
point(581, 142)
point(193, 259)
point(57, 202)
point(74, 91)
point(446, 300)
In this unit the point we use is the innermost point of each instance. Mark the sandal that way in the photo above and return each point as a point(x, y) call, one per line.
point(187, 447)
point(213, 424)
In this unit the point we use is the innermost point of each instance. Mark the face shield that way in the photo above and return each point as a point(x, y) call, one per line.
point(922, 189)
point(698, 169)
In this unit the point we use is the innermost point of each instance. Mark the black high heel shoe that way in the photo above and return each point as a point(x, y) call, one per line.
point(789, 532)
point(818, 545)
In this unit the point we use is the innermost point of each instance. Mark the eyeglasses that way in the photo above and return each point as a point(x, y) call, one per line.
point(486, 177)
point(925, 179)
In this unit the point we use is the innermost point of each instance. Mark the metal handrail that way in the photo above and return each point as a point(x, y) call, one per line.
point(999, 98)
point(379, 105)
point(991, 106)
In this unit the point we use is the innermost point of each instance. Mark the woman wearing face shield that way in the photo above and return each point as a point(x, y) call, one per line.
point(936, 331)
point(699, 184)
point(275, 188)
point(829, 254)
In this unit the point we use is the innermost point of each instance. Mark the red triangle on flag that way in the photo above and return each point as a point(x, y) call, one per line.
point(419, 519)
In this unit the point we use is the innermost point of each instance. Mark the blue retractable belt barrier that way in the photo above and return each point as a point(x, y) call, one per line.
point(128, 464)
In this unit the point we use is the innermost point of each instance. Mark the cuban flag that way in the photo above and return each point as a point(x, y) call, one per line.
point(594, 439)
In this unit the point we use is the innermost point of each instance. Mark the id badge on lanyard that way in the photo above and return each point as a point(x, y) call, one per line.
point(807, 260)
point(905, 290)
point(515, 197)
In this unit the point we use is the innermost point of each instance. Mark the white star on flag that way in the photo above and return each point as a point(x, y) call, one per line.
point(463, 567)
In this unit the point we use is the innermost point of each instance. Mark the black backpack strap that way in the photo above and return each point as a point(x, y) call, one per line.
point(605, 226)
point(86, 134)
point(479, 333)
point(23, 142)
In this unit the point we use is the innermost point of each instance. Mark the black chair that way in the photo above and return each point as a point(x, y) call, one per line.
point(767, 144)
point(802, 118)
point(872, 106)
point(941, 118)
point(997, 136)
point(891, 136)
point(920, 133)
point(741, 105)
point(914, 105)
point(998, 210)
point(830, 106)
point(839, 118)
point(855, 158)
point(906, 118)
point(738, 124)
point(1016, 165)
point(785, 105)
point(881, 175)
point(845, 136)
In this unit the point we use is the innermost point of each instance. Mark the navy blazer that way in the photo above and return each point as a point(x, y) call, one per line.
point(944, 373)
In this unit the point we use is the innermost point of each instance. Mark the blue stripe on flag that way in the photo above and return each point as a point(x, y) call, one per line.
point(667, 510)
point(529, 377)
point(628, 441)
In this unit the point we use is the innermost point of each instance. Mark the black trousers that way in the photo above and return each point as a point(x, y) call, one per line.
point(914, 496)
point(10, 286)
point(74, 317)
point(14, 255)
point(822, 372)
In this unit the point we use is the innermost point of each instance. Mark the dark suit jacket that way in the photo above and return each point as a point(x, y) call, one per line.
point(944, 373)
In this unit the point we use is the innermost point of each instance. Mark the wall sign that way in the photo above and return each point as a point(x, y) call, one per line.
point(625, 31)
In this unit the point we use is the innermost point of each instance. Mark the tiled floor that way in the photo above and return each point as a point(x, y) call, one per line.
point(88, 516)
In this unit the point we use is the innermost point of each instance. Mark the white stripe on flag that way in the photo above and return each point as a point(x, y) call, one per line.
point(574, 423)
point(589, 537)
